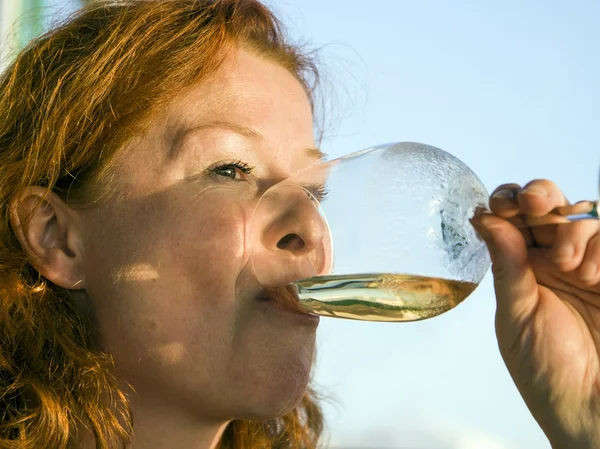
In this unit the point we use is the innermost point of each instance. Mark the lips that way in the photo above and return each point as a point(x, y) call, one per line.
point(285, 295)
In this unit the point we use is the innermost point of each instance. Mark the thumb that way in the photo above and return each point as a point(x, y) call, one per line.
point(514, 280)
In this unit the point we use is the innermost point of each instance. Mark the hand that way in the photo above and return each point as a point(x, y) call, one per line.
point(547, 282)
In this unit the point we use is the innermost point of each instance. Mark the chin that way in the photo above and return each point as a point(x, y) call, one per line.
point(271, 369)
point(277, 402)
point(271, 393)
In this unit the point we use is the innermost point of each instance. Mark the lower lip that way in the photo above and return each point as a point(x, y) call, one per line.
point(305, 316)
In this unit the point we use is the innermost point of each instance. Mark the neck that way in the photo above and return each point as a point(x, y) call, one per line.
point(160, 424)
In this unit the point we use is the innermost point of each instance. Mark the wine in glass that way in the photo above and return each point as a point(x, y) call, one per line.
point(380, 235)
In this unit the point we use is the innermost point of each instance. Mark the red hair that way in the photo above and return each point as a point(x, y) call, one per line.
point(68, 104)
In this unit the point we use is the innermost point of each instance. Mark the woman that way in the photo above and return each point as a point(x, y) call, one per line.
point(137, 137)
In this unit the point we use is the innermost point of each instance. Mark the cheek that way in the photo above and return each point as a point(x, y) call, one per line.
point(163, 275)
point(207, 243)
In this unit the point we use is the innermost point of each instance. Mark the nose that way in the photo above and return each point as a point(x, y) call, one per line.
point(295, 225)
point(290, 236)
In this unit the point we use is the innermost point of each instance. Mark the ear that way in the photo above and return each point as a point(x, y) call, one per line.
point(49, 232)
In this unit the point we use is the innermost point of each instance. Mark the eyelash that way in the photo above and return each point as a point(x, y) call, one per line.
point(238, 165)
point(318, 191)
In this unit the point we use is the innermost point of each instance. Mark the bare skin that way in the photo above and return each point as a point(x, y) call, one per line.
point(548, 310)
point(162, 268)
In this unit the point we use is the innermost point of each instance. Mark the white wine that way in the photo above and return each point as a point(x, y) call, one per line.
point(379, 297)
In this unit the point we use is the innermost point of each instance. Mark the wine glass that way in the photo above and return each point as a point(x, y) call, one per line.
point(380, 235)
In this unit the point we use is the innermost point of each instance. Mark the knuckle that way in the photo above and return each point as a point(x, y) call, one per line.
point(499, 271)
point(508, 187)
point(540, 182)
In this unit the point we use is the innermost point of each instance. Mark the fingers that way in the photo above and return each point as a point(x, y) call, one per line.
point(514, 281)
point(588, 271)
point(575, 246)
point(536, 199)
point(539, 197)
point(503, 200)
point(571, 244)
point(504, 203)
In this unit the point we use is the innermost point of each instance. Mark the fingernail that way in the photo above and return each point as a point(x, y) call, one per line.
point(563, 254)
point(588, 271)
point(534, 191)
point(504, 193)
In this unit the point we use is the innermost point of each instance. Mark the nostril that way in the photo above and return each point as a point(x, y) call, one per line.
point(291, 242)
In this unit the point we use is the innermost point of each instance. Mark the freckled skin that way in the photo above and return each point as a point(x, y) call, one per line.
point(181, 324)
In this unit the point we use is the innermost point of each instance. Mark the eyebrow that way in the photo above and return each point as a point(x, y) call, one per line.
point(242, 130)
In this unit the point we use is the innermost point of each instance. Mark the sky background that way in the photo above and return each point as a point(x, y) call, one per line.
point(509, 87)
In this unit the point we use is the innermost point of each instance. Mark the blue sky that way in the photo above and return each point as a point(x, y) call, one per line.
point(509, 87)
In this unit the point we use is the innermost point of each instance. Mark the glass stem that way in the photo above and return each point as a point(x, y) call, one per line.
point(583, 210)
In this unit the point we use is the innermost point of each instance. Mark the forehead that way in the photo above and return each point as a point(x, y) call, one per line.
point(249, 90)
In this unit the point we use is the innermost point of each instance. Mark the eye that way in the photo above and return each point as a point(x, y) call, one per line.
point(231, 169)
point(318, 192)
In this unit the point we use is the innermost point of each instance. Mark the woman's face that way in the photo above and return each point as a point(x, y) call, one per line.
point(166, 260)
